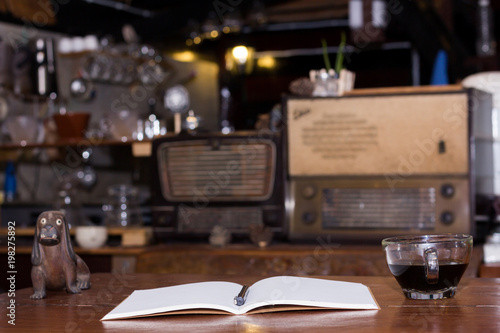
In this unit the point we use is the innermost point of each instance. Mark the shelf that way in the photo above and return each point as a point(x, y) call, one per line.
point(133, 236)
point(139, 148)
point(82, 142)
point(25, 98)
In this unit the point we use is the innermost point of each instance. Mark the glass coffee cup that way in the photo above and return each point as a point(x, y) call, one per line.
point(428, 266)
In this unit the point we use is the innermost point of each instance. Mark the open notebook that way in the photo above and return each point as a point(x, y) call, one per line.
point(279, 293)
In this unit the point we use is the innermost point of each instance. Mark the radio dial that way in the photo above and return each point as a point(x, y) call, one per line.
point(309, 191)
point(447, 218)
point(447, 190)
point(308, 217)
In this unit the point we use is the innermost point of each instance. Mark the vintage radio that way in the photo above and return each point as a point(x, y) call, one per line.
point(381, 164)
point(232, 180)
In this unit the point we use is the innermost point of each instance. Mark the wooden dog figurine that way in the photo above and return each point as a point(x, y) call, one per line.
point(55, 264)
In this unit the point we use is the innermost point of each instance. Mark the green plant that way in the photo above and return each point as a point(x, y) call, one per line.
point(339, 61)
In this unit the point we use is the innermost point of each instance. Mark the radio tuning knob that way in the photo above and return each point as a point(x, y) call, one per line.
point(308, 217)
point(447, 218)
point(447, 190)
point(308, 191)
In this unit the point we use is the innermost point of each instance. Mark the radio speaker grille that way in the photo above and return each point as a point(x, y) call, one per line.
point(235, 219)
point(217, 170)
point(377, 208)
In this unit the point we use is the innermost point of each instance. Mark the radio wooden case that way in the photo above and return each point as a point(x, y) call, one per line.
point(211, 179)
point(376, 165)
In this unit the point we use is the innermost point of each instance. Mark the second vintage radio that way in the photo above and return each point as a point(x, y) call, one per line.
point(375, 165)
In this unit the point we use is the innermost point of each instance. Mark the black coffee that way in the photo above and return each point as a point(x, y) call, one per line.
point(413, 276)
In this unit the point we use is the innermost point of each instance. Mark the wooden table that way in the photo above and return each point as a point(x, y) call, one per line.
point(235, 259)
point(475, 308)
point(490, 270)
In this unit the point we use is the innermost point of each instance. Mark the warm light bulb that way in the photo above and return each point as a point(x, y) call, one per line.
point(185, 56)
point(240, 53)
point(266, 62)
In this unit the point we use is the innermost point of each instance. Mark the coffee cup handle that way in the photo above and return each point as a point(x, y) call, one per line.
point(431, 266)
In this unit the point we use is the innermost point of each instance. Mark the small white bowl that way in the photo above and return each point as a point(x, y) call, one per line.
point(91, 237)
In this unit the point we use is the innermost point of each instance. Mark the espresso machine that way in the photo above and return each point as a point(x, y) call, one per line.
point(486, 128)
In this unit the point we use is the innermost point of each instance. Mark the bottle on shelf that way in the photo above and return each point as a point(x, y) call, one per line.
point(154, 126)
point(485, 44)
point(10, 185)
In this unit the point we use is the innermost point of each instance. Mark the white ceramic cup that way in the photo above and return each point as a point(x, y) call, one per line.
point(91, 237)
